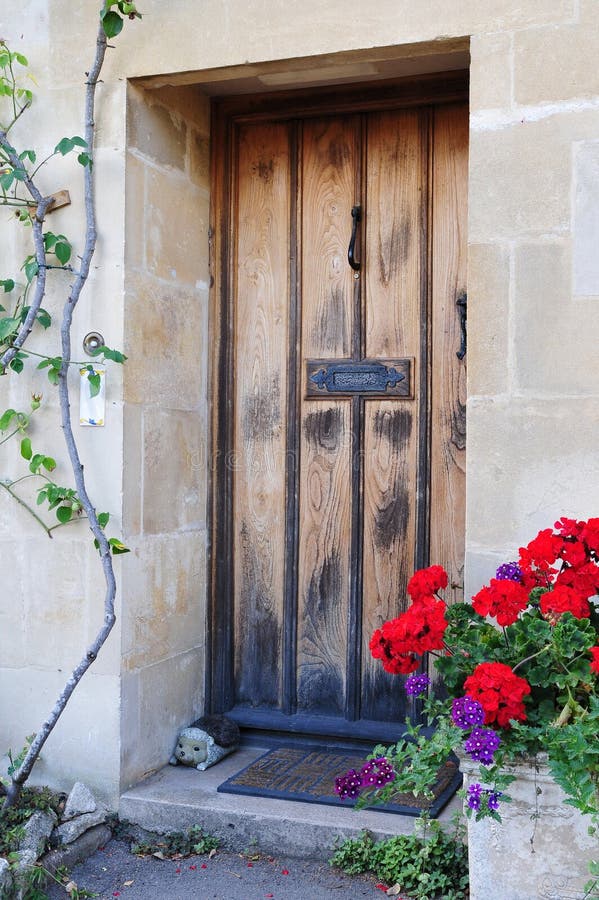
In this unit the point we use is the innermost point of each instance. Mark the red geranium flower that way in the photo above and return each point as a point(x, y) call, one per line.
point(393, 660)
point(564, 599)
point(595, 660)
point(569, 527)
point(584, 579)
point(543, 550)
point(502, 599)
point(426, 582)
point(399, 641)
point(499, 692)
point(574, 553)
point(590, 534)
point(421, 627)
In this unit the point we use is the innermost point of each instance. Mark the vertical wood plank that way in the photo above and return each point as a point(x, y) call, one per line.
point(329, 172)
point(260, 392)
point(323, 573)
point(329, 153)
point(395, 254)
point(448, 414)
point(395, 195)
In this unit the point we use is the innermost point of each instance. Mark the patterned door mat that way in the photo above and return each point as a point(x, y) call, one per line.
point(307, 774)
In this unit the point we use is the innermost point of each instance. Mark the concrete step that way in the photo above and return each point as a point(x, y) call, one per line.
point(177, 797)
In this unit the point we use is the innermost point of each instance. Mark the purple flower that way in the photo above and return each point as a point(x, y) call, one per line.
point(417, 684)
point(467, 713)
point(482, 744)
point(510, 571)
point(474, 796)
point(374, 773)
point(348, 785)
point(377, 772)
point(493, 801)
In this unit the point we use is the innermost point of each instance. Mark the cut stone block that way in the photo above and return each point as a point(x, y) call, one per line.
point(80, 801)
point(37, 830)
point(70, 831)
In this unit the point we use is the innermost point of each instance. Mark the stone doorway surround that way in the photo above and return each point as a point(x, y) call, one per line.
point(167, 398)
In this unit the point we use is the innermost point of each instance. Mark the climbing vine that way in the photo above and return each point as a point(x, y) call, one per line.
point(22, 313)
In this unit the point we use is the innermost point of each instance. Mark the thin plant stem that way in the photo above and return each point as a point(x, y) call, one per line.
point(26, 506)
point(81, 668)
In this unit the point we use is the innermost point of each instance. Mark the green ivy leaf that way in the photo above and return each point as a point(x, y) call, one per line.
point(117, 546)
point(28, 154)
point(64, 514)
point(31, 268)
point(8, 326)
point(94, 383)
point(54, 361)
point(65, 145)
point(6, 418)
point(49, 464)
point(103, 519)
point(41, 496)
point(26, 451)
point(16, 364)
point(114, 355)
point(62, 250)
point(22, 60)
point(6, 180)
point(7, 284)
point(36, 463)
point(85, 159)
point(44, 318)
point(112, 24)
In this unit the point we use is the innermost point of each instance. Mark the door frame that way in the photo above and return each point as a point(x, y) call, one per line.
point(227, 113)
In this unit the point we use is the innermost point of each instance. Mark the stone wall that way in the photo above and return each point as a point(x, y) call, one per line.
point(165, 421)
point(533, 406)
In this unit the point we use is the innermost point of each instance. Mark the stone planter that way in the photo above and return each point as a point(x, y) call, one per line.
point(542, 848)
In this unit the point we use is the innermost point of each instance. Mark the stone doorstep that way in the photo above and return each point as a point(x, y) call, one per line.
point(177, 797)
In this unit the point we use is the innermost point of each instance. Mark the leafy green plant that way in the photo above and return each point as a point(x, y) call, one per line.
point(424, 865)
point(30, 801)
point(178, 843)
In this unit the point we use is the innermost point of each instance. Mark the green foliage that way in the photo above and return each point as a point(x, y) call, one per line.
point(416, 758)
point(30, 801)
point(65, 145)
point(111, 19)
point(428, 866)
point(178, 843)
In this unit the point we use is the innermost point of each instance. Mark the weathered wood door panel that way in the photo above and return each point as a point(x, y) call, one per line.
point(326, 498)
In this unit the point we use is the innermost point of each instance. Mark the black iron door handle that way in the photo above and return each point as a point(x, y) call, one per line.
point(462, 305)
point(357, 217)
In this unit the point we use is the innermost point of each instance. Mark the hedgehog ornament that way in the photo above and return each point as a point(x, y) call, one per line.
point(205, 742)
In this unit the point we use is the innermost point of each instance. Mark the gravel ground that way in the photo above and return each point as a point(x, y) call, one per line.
point(114, 872)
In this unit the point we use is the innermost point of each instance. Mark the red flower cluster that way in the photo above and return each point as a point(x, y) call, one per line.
point(399, 642)
point(499, 692)
point(503, 599)
point(566, 556)
point(595, 660)
point(426, 582)
point(564, 599)
point(383, 647)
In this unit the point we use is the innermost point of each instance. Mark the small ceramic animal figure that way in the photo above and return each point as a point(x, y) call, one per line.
point(205, 742)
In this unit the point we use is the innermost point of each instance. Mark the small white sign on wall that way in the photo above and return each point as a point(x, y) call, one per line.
point(92, 394)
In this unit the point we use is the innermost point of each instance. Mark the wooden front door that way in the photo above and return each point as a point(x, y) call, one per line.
point(340, 398)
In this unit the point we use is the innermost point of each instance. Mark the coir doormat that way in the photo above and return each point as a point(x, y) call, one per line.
point(307, 774)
